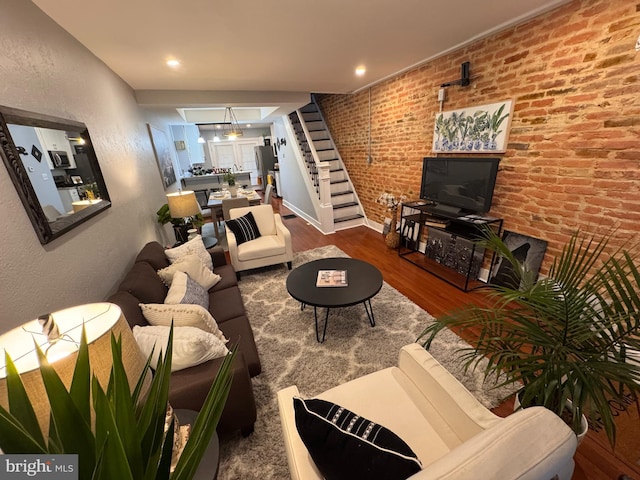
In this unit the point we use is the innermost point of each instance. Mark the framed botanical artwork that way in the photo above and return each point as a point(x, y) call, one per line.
point(162, 150)
point(482, 129)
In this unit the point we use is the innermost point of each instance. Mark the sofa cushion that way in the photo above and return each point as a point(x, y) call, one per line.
point(153, 254)
point(143, 282)
point(344, 445)
point(188, 390)
point(184, 289)
point(244, 228)
point(229, 278)
point(182, 316)
point(192, 265)
point(130, 308)
point(226, 304)
point(238, 331)
point(192, 247)
point(191, 346)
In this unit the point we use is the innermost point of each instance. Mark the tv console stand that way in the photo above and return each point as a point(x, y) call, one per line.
point(442, 242)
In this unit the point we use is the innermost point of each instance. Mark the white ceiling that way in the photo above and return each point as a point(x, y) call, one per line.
point(279, 50)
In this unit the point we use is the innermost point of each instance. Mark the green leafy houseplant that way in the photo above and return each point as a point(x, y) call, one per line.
point(128, 440)
point(562, 337)
point(164, 217)
point(230, 178)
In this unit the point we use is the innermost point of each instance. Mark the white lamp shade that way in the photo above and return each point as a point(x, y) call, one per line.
point(100, 320)
point(183, 204)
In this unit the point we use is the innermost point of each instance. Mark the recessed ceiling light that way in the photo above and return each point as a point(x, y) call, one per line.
point(173, 63)
point(360, 71)
point(248, 125)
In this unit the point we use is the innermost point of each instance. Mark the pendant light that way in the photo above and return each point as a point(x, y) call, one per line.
point(231, 128)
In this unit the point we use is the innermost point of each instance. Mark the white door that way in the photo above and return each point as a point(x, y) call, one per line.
point(237, 152)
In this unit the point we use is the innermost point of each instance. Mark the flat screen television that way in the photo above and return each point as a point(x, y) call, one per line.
point(459, 185)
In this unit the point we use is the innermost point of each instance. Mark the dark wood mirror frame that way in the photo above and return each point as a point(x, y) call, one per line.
point(46, 230)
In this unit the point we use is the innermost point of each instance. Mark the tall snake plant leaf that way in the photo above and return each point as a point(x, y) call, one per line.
point(20, 406)
point(206, 422)
point(152, 416)
point(123, 410)
point(80, 389)
point(74, 434)
point(115, 463)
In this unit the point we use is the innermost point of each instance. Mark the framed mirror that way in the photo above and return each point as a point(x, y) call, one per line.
point(52, 164)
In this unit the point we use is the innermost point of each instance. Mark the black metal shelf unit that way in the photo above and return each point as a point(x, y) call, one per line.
point(443, 243)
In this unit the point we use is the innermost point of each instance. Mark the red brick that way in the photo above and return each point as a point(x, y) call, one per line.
point(573, 138)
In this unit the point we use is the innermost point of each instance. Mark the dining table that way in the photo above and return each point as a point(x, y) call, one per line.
point(216, 198)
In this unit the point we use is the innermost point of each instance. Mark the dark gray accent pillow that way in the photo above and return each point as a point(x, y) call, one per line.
point(344, 445)
point(244, 228)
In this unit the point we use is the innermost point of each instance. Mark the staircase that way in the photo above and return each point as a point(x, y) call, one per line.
point(317, 148)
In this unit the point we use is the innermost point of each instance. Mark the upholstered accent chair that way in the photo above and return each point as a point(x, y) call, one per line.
point(229, 203)
point(272, 246)
point(452, 434)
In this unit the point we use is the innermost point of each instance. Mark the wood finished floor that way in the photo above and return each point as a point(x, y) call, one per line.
point(594, 461)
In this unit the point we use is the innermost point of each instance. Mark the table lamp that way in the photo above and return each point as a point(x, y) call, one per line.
point(184, 205)
point(58, 335)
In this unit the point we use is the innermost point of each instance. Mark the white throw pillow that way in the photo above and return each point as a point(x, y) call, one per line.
point(191, 346)
point(184, 289)
point(193, 246)
point(183, 315)
point(192, 265)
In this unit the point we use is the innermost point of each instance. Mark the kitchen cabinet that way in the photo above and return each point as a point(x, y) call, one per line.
point(55, 140)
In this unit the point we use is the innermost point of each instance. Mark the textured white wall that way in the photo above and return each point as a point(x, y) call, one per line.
point(43, 69)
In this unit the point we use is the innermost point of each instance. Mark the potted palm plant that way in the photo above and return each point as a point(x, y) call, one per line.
point(563, 337)
point(125, 438)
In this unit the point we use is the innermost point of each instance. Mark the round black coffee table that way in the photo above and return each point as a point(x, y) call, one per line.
point(363, 279)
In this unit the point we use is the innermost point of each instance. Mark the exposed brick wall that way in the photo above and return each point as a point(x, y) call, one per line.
point(573, 157)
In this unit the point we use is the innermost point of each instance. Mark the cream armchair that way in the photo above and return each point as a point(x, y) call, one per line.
point(453, 435)
point(272, 247)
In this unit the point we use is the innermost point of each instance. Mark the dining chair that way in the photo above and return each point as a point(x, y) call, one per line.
point(202, 196)
point(268, 192)
point(229, 203)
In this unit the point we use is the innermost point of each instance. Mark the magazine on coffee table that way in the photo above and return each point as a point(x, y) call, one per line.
point(332, 278)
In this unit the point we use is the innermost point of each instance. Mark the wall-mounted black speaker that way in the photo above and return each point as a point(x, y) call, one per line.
point(465, 76)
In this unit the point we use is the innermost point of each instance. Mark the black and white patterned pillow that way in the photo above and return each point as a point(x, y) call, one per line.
point(244, 228)
point(344, 445)
point(185, 289)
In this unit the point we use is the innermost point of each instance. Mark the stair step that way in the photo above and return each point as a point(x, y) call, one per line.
point(345, 205)
point(319, 135)
point(350, 217)
point(342, 192)
point(338, 181)
point(309, 107)
point(312, 117)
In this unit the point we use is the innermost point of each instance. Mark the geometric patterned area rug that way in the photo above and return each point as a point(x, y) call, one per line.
point(290, 355)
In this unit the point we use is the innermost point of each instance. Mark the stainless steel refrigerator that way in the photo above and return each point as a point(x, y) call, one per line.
point(265, 161)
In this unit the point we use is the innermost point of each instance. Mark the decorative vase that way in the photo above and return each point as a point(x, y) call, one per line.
point(393, 238)
point(233, 190)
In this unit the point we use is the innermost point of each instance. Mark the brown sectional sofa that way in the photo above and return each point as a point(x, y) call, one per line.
point(190, 386)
